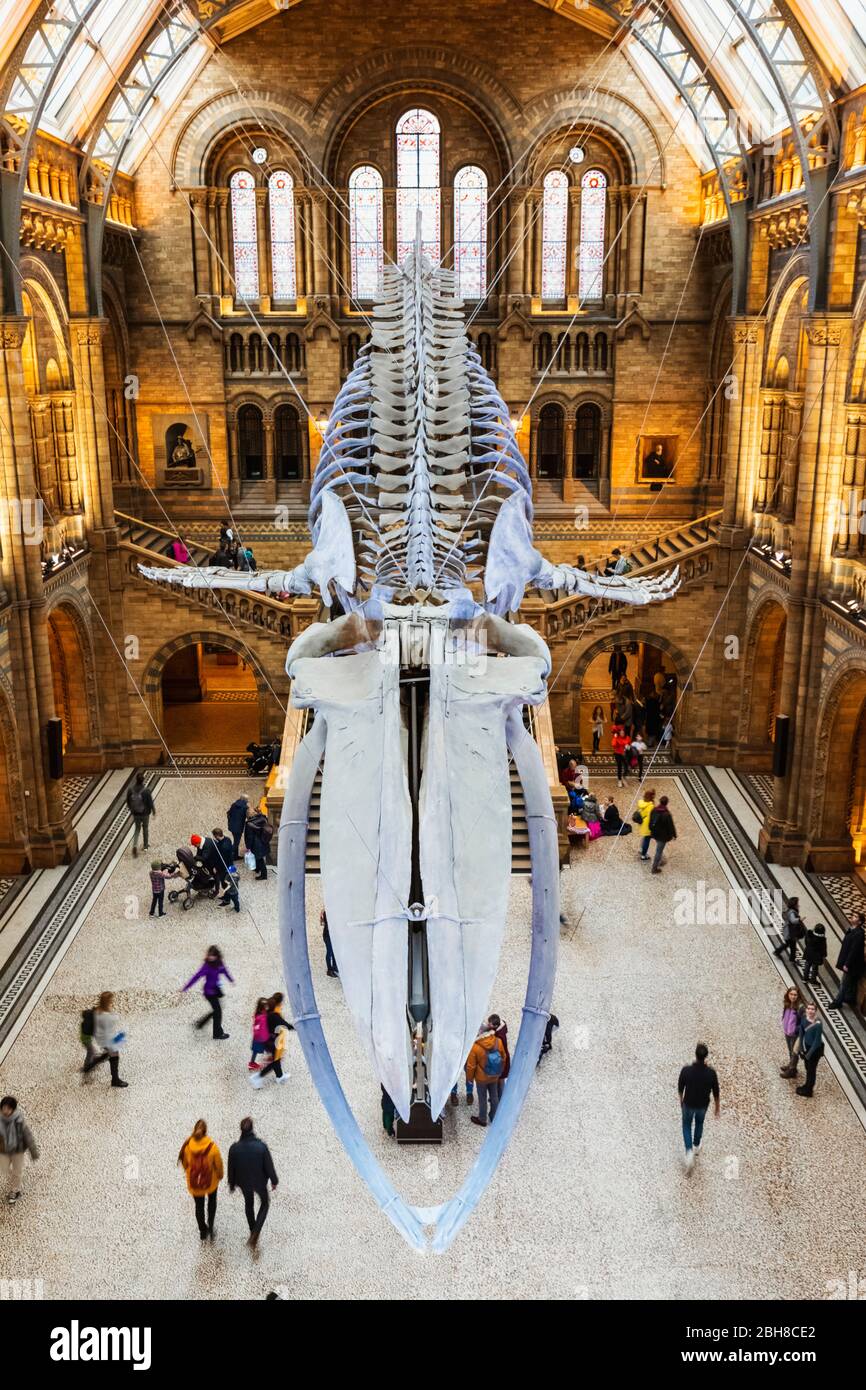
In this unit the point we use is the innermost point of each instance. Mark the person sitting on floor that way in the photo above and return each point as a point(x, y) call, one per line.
point(612, 823)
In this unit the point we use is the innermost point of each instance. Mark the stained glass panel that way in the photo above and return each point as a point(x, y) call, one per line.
point(470, 232)
point(593, 203)
point(365, 230)
point(554, 230)
point(281, 195)
point(418, 182)
point(244, 236)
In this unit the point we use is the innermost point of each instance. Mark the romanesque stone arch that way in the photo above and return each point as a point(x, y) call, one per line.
point(68, 615)
point(842, 701)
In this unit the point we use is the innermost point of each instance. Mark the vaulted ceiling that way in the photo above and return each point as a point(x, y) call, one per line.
point(105, 74)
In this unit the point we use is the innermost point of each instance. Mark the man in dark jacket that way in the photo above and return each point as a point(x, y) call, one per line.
point(811, 1047)
point(236, 819)
point(140, 805)
point(257, 837)
point(695, 1086)
point(662, 830)
point(251, 1168)
point(851, 962)
point(16, 1140)
point(216, 855)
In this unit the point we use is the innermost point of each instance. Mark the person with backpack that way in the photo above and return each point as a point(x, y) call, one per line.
point(261, 1035)
point(484, 1067)
point(202, 1162)
point(662, 830)
point(257, 838)
point(236, 819)
point(16, 1139)
point(251, 1168)
point(211, 970)
point(140, 806)
point(814, 952)
point(793, 930)
point(106, 1037)
point(501, 1031)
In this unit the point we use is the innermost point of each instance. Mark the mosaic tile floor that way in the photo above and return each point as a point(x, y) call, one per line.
point(590, 1200)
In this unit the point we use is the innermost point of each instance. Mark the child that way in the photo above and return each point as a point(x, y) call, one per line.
point(814, 952)
point(261, 1033)
point(597, 727)
point(158, 876)
point(230, 892)
point(636, 752)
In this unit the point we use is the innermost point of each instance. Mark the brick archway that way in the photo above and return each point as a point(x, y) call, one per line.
point(270, 713)
point(765, 649)
point(75, 689)
point(839, 810)
point(570, 678)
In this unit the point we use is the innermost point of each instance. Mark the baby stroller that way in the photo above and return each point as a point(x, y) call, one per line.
point(198, 883)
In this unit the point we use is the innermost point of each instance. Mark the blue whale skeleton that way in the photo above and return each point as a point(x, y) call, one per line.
point(418, 691)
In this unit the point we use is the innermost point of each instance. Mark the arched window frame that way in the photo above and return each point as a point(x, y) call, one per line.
point(281, 205)
point(593, 218)
point(245, 238)
point(419, 149)
point(365, 231)
point(470, 232)
point(554, 235)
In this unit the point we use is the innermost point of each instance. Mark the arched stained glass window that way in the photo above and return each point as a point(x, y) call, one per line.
point(470, 232)
point(365, 230)
point(554, 232)
point(244, 237)
point(593, 203)
point(418, 182)
point(281, 196)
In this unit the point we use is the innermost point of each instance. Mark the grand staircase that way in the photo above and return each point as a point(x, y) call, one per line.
point(691, 546)
point(143, 543)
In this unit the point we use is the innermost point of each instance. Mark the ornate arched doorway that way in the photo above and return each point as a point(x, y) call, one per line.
point(74, 690)
point(839, 817)
point(765, 654)
point(210, 700)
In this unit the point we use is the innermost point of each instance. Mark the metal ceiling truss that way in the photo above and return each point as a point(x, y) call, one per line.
point(769, 24)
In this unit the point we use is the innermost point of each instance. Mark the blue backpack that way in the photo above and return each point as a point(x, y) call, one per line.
point(493, 1064)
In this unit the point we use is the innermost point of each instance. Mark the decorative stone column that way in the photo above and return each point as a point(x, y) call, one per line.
point(389, 223)
point(105, 570)
point(199, 212)
point(63, 415)
point(744, 423)
point(785, 834)
point(533, 447)
point(39, 824)
point(569, 487)
point(224, 246)
point(264, 249)
point(636, 209)
point(537, 230)
point(269, 471)
point(446, 254)
point(517, 259)
point(321, 279)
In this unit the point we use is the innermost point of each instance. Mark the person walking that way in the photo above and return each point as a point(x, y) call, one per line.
point(236, 819)
point(852, 963)
point(202, 1162)
point(16, 1140)
point(597, 727)
point(645, 807)
point(662, 830)
point(106, 1039)
point(211, 970)
point(330, 958)
point(814, 952)
point(619, 742)
point(618, 662)
point(251, 1168)
point(276, 1025)
point(792, 930)
point(484, 1067)
point(792, 1011)
point(696, 1084)
point(811, 1047)
point(140, 806)
point(257, 837)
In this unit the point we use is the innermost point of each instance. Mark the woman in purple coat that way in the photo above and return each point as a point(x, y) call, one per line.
point(211, 970)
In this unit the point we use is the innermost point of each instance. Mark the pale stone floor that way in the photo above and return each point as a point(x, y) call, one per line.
point(590, 1200)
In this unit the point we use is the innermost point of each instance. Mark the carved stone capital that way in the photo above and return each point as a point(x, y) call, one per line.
point(12, 332)
point(824, 332)
point(86, 333)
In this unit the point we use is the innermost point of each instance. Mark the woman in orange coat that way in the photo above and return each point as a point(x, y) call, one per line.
point(202, 1162)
